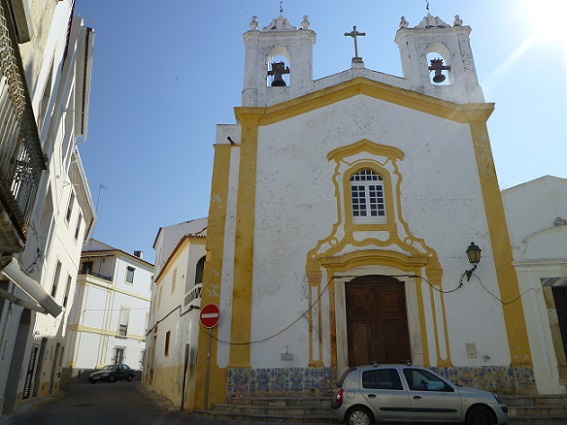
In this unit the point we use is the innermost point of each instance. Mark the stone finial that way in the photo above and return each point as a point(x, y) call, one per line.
point(254, 23)
point(305, 23)
point(279, 24)
point(458, 21)
point(403, 22)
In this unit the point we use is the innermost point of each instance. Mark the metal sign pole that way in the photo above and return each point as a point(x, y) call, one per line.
point(208, 371)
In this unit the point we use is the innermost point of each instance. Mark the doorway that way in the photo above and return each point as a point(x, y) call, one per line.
point(377, 323)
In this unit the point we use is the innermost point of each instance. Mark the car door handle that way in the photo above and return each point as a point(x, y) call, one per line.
point(417, 397)
point(371, 395)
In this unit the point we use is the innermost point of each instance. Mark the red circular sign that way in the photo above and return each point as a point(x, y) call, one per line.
point(209, 316)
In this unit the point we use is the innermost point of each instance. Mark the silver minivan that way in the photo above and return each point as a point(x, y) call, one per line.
point(406, 393)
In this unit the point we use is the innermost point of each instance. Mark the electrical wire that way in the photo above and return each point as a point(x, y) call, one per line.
point(259, 341)
point(500, 300)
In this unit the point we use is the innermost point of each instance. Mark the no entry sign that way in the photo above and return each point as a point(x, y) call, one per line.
point(210, 315)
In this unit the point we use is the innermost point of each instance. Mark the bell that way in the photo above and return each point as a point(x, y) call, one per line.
point(278, 81)
point(438, 77)
point(437, 66)
point(278, 69)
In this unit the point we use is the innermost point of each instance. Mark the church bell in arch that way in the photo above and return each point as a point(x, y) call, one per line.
point(278, 69)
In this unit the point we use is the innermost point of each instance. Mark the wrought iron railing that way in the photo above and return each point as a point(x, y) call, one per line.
point(193, 296)
point(21, 157)
point(100, 276)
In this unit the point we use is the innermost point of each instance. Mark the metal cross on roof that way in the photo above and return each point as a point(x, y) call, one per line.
point(355, 34)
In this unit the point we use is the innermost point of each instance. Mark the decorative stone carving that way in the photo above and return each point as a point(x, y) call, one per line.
point(254, 23)
point(431, 21)
point(458, 21)
point(279, 24)
point(305, 23)
point(403, 22)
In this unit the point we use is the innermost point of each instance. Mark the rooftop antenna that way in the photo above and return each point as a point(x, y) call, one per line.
point(100, 187)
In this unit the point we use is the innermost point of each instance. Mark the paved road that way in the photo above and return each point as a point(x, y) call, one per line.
point(121, 403)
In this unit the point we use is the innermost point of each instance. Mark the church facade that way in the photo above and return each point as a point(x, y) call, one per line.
point(341, 210)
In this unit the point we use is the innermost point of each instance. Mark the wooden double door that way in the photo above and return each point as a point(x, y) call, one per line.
point(377, 322)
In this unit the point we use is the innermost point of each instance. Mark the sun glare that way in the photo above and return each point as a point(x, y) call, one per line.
point(546, 18)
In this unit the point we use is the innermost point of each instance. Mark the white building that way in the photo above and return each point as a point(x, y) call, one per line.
point(536, 212)
point(173, 329)
point(341, 210)
point(38, 281)
point(109, 317)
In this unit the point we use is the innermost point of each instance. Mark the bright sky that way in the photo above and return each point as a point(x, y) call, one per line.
point(165, 73)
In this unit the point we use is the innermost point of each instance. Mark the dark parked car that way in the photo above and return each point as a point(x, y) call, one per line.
point(113, 373)
point(411, 394)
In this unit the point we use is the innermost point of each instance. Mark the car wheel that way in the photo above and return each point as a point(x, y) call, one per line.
point(480, 415)
point(130, 377)
point(112, 378)
point(359, 415)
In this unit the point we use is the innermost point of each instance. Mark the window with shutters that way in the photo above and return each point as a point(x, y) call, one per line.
point(123, 321)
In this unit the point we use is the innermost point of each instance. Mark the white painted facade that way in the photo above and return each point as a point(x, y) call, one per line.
point(57, 59)
point(173, 329)
point(283, 244)
point(110, 311)
point(536, 213)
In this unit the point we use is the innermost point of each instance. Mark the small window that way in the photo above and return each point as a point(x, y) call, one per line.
point(130, 274)
point(167, 338)
point(123, 321)
point(67, 289)
point(118, 355)
point(382, 379)
point(199, 271)
point(367, 193)
point(78, 228)
point(70, 208)
point(56, 279)
point(87, 267)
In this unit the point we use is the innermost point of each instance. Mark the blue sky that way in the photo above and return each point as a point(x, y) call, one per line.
point(165, 73)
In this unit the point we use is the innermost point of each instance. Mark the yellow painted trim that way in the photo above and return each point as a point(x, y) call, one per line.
point(244, 252)
point(373, 257)
point(172, 259)
point(394, 231)
point(501, 247)
point(461, 113)
point(332, 319)
point(109, 287)
point(365, 145)
point(212, 279)
point(104, 332)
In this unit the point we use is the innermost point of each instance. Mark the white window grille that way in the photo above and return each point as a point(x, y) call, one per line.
point(367, 193)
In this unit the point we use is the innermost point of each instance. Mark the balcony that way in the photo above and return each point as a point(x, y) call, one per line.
point(21, 157)
point(193, 297)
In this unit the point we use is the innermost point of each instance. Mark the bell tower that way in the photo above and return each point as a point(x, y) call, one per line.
point(278, 62)
point(437, 59)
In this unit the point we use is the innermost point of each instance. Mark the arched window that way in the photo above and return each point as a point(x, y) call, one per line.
point(199, 271)
point(367, 193)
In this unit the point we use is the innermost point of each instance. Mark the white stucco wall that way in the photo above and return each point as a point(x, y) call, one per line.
point(540, 252)
point(295, 207)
